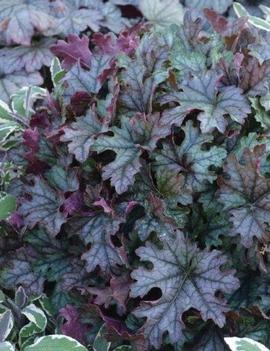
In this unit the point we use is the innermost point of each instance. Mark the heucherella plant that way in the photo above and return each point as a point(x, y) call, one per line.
point(134, 184)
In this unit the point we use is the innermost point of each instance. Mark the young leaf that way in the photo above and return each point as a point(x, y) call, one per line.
point(76, 49)
point(56, 343)
point(245, 194)
point(43, 208)
point(188, 278)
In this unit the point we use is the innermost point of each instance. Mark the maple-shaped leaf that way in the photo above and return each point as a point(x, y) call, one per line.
point(191, 158)
point(245, 194)
point(188, 278)
point(220, 6)
point(21, 19)
point(135, 135)
point(74, 50)
point(97, 230)
point(20, 271)
point(43, 208)
point(90, 81)
point(202, 93)
point(143, 74)
point(63, 180)
point(81, 134)
point(11, 83)
point(28, 58)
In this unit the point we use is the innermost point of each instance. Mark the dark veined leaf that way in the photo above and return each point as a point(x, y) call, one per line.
point(20, 271)
point(191, 158)
point(201, 93)
point(135, 135)
point(81, 134)
point(220, 6)
point(188, 278)
point(97, 230)
point(245, 193)
point(43, 208)
point(28, 58)
point(79, 79)
point(62, 180)
point(20, 20)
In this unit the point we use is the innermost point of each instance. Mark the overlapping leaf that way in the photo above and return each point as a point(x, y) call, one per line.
point(245, 194)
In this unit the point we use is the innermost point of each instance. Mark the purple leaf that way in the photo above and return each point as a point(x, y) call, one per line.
point(75, 50)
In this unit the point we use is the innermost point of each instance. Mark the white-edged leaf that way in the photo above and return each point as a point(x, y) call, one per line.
point(56, 343)
point(6, 324)
point(36, 316)
point(240, 10)
point(244, 344)
point(162, 12)
point(6, 346)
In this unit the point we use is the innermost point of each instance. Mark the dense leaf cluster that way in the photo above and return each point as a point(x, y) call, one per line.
point(141, 172)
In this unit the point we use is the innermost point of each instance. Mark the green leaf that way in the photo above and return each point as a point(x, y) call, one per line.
point(100, 343)
point(24, 99)
point(62, 179)
point(245, 344)
point(6, 346)
point(36, 316)
point(259, 23)
point(7, 205)
point(240, 10)
point(162, 12)
point(57, 72)
point(6, 324)
point(56, 343)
